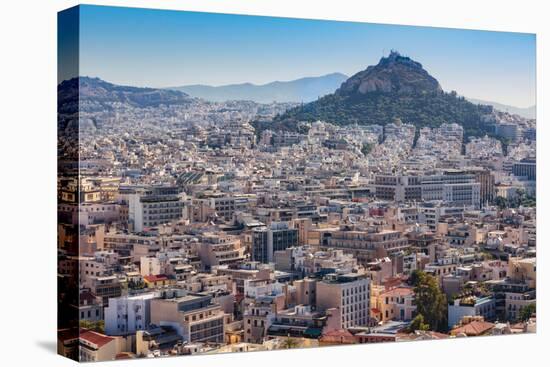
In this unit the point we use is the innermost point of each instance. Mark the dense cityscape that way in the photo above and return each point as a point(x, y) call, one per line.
point(185, 229)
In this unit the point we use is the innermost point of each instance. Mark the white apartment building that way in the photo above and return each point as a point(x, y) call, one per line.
point(471, 306)
point(350, 293)
point(452, 187)
point(432, 211)
point(154, 206)
point(126, 315)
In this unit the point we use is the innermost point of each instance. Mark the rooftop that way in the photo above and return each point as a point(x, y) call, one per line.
point(95, 338)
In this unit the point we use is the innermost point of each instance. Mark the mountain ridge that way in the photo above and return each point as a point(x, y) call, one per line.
point(93, 93)
point(393, 74)
point(396, 87)
point(305, 89)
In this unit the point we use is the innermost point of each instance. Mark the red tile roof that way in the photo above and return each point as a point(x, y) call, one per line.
point(437, 335)
point(473, 328)
point(95, 338)
point(338, 336)
point(155, 278)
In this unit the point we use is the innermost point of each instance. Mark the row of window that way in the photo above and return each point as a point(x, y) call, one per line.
point(89, 314)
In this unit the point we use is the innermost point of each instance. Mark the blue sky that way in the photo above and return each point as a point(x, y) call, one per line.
point(160, 48)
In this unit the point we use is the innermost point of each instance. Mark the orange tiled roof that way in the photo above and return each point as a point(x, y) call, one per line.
point(155, 278)
point(474, 328)
point(95, 338)
point(338, 336)
point(437, 335)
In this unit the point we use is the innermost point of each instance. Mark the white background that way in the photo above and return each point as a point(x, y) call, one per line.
point(28, 180)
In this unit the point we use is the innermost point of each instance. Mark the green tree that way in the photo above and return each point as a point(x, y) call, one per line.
point(527, 311)
point(418, 324)
point(414, 278)
point(426, 109)
point(431, 303)
point(289, 343)
point(136, 285)
point(501, 202)
point(367, 148)
point(98, 326)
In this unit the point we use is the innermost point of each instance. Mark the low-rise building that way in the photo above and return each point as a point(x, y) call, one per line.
point(396, 303)
point(471, 306)
point(96, 347)
point(195, 317)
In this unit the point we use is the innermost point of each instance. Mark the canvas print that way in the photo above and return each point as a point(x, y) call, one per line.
point(233, 183)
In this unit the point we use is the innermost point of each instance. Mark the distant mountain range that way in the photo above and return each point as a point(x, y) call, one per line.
point(300, 90)
point(526, 112)
point(94, 94)
point(396, 88)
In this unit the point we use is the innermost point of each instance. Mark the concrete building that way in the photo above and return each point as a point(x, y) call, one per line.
point(486, 181)
point(154, 206)
point(266, 240)
point(396, 303)
point(367, 244)
point(95, 347)
point(523, 270)
point(508, 131)
point(155, 338)
point(105, 287)
point(515, 302)
point(126, 315)
point(221, 205)
point(454, 186)
point(350, 293)
point(220, 249)
point(89, 309)
point(471, 306)
point(526, 168)
point(259, 315)
point(195, 317)
point(149, 265)
point(303, 322)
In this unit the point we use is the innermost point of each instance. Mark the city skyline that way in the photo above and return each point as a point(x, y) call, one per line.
point(330, 211)
point(160, 48)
